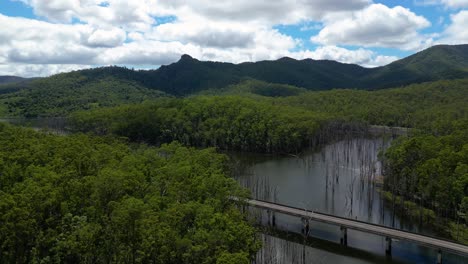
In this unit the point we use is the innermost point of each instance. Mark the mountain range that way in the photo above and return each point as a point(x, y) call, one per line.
point(63, 93)
point(7, 79)
point(189, 75)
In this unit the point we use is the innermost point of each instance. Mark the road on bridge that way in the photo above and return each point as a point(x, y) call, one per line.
point(438, 244)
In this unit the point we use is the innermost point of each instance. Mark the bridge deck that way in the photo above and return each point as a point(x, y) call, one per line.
point(427, 241)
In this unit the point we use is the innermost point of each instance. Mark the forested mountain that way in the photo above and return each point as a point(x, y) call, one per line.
point(436, 63)
point(11, 79)
point(189, 75)
point(64, 93)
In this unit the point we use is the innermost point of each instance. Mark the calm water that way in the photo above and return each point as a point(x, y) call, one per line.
point(338, 179)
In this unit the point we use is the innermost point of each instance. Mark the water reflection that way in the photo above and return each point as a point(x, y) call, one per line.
point(342, 179)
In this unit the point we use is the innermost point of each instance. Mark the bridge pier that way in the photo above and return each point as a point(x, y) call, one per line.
point(344, 236)
point(271, 218)
point(305, 226)
point(388, 246)
point(345, 223)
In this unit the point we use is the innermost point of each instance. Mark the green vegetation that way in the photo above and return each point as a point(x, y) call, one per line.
point(64, 93)
point(431, 168)
point(286, 124)
point(256, 87)
point(82, 199)
point(189, 76)
point(96, 198)
point(428, 106)
point(455, 229)
point(441, 62)
point(229, 122)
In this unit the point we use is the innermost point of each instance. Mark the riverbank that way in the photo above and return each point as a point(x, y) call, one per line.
point(446, 227)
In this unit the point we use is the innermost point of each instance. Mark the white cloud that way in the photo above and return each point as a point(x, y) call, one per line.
point(456, 32)
point(139, 14)
point(453, 4)
point(38, 70)
point(360, 56)
point(456, 3)
point(146, 53)
point(203, 33)
point(132, 15)
point(37, 42)
point(106, 38)
point(139, 32)
point(375, 26)
point(263, 12)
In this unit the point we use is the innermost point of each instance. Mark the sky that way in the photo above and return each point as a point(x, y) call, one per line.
point(45, 37)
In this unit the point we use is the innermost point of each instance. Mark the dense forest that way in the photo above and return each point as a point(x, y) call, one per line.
point(62, 94)
point(250, 122)
point(298, 120)
point(85, 199)
point(190, 76)
point(431, 170)
point(428, 106)
point(226, 122)
point(133, 189)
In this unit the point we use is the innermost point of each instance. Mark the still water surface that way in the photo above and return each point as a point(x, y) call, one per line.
point(338, 179)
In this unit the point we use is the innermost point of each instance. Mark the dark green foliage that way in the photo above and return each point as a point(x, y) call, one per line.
point(257, 88)
point(189, 76)
point(263, 124)
point(436, 63)
point(11, 88)
point(431, 168)
point(82, 199)
point(428, 106)
point(229, 122)
point(64, 93)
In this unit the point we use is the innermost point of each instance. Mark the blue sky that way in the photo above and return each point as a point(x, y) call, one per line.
point(44, 37)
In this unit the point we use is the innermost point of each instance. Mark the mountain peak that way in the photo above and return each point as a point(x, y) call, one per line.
point(186, 57)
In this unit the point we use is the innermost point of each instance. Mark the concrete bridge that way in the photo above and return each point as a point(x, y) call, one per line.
point(346, 223)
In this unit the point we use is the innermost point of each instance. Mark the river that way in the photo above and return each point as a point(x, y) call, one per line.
point(340, 179)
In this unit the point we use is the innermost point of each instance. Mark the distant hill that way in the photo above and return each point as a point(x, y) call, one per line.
point(6, 79)
point(108, 86)
point(67, 92)
point(189, 75)
point(435, 63)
